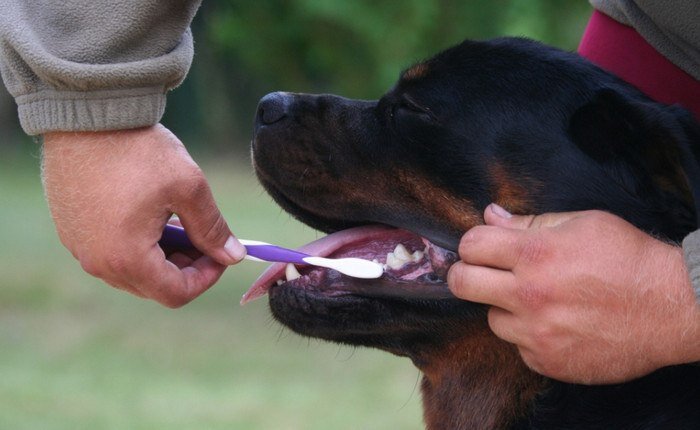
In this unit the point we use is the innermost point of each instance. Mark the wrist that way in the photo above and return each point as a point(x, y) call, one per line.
point(682, 339)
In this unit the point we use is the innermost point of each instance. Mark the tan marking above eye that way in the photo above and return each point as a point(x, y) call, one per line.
point(415, 72)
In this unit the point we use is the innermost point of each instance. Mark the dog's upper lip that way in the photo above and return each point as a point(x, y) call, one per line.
point(321, 247)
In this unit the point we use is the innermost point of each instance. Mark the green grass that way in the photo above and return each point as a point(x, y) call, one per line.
point(75, 353)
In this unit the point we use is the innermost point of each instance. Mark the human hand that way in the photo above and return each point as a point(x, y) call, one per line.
point(110, 195)
point(585, 296)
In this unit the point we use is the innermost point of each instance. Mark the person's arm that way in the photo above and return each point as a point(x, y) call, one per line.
point(91, 75)
point(89, 65)
point(585, 296)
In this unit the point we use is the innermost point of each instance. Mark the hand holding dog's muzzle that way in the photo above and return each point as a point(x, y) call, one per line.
point(585, 296)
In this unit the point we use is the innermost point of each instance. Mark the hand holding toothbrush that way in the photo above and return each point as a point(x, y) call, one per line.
point(111, 194)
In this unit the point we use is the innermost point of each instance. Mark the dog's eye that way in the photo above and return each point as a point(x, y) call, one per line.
point(408, 106)
point(407, 103)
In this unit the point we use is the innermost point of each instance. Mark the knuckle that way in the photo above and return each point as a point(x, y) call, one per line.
point(196, 183)
point(532, 295)
point(215, 233)
point(190, 184)
point(532, 250)
point(542, 337)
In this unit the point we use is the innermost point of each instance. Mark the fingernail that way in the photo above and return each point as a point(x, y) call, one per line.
point(234, 249)
point(500, 212)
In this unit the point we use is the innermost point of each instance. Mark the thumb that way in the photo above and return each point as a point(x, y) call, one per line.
point(207, 228)
point(497, 216)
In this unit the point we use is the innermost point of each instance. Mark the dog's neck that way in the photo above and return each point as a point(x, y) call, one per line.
point(479, 382)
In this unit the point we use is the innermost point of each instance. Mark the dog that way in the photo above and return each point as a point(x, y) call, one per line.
point(510, 121)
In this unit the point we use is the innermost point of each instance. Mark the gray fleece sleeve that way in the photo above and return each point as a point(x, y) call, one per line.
point(672, 27)
point(691, 249)
point(82, 65)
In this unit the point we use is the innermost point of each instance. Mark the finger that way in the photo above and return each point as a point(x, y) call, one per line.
point(483, 285)
point(499, 248)
point(506, 326)
point(180, 260)
point(497, 216)
point(125, 287)
point(205, 225)
point(162, 280)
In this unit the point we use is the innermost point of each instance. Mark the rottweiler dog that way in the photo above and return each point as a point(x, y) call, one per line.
point(400, 179)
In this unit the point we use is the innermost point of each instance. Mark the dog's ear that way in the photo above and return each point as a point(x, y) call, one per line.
point(652, 142)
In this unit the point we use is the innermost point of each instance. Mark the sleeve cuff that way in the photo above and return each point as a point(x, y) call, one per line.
point(90, 111)
point(691, 250)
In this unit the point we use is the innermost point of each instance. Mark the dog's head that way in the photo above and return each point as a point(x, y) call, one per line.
point(510, 121)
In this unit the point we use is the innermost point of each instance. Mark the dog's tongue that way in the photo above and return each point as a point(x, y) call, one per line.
point(320, 248)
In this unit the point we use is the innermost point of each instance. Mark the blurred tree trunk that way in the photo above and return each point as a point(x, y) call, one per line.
point(10, 131)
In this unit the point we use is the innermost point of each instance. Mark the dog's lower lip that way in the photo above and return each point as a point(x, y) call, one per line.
point(420, 279)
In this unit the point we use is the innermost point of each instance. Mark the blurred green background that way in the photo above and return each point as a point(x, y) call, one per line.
point(75, 353)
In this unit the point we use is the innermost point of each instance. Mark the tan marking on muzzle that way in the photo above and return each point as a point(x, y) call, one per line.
point(512, 194)
point(431, 198)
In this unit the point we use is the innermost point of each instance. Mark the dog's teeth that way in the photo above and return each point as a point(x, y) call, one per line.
point(417, 256)
point(291, 272)
point(397, 259)
point(401, 252)
point(392, 262)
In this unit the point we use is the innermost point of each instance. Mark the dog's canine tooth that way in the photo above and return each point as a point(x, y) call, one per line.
point(291, 272)
point(417, 256)
point(401, 252)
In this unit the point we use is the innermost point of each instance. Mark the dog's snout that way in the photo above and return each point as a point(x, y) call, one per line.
point(272, 108)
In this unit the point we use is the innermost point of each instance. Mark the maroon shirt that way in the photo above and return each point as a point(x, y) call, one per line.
point(620, 50)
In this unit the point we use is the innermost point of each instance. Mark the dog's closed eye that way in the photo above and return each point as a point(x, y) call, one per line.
point(408, 106)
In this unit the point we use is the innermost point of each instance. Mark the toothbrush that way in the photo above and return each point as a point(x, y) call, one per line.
point(175, 237)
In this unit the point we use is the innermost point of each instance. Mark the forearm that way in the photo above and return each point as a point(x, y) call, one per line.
point(93, 64)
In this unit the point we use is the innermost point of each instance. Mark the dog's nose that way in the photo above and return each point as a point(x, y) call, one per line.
point(272, 108)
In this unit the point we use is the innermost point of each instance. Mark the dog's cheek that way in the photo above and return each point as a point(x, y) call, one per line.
point(515, 195)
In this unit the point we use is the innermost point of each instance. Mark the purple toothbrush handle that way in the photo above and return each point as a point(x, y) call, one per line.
point(276, 253)
point(174, 237)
